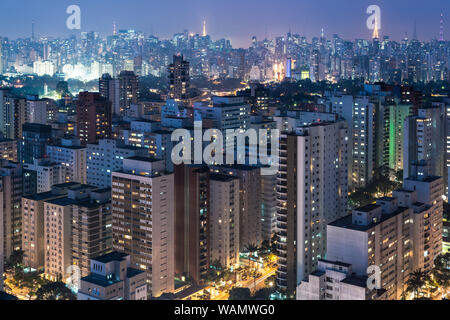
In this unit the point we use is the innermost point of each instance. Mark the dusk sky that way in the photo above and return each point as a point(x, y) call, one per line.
point(237, 20)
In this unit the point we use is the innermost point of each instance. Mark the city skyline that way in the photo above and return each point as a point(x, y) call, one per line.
point(307, 19)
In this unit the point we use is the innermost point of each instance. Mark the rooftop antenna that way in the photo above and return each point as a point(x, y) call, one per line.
point(441, 31)
point(204, 28)
point(415, 30)
point(114, 28)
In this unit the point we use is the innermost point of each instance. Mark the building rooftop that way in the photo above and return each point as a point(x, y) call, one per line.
point(368, 208)
point(222, 177)
point(112, 256)
point(347, 223)
point(356, 281)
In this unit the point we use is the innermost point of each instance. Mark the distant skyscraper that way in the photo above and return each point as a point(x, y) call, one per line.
point(93, 118)
point(179, 80)
point(35, 139)
point(204, 34)
point(128, 90)
point(109, 89)
point(375, 30)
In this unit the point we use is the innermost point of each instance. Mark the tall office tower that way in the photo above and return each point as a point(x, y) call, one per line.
point(109, 89)
point(91, 228)
point(424, 138)
point(179, 80)
point(72, 157)
point(33, 241)
point(128, 90)
point(42, 111)
point(93, 118)
point(268, 206)
point(224, 220)
point(112, 278)
point(390, 118)
point(143, 220)
point(8, 150)
point(249, 202)
point(46, 173)
point(401, 234)
point(11, 196)
point(13, 114)
point(363, 142)
point(192, 209)
point(311, 192)
point(105, 157)
point(34, 143)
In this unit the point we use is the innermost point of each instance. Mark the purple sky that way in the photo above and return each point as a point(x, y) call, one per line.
point(237, 20)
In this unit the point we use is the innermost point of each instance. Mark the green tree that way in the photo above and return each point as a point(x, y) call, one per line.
point(55, 291)
point(240, 294)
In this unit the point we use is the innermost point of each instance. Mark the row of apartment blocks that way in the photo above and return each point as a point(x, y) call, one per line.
point(169, 223)
point(398, 235)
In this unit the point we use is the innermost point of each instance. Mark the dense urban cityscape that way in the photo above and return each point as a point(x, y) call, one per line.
point(137, 167)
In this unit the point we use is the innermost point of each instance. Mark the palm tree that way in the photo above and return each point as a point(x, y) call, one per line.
point(416, 281)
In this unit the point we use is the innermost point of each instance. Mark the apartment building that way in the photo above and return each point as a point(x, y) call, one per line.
point(311, 192)
point(224, 220)
point(143, 220)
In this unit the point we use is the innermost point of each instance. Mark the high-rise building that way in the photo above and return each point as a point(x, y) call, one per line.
point(143, 220)
point(399, 235)
point(42, 111)
point(268, 206)
point(93, 118)
point(390, 118)
point(192, 209)
point(311, 192)
point(112, 278)
point(109, 89)
point(91, 228)
point(46, 173)
point(424, 137)
point(224, 220)
point(128, 90)
point(105, 157)
point(33, 220)
point(249, 203)
point(72, 158)
point(34, 143)
point(8, 150)
point(11, 199)
point(179, 80)
point(13, 114)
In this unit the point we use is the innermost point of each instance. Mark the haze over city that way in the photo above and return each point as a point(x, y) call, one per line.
point(235, 20)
